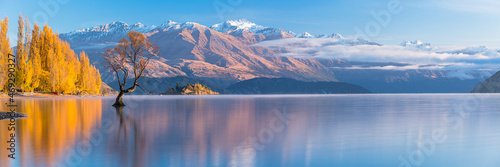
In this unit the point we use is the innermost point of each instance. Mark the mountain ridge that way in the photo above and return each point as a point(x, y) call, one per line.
point(291, 86)
point(232, 54)
point(197, 51)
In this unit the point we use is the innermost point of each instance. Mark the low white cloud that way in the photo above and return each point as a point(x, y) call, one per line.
point(461, 74)
point(437, 58)
point(392, 67)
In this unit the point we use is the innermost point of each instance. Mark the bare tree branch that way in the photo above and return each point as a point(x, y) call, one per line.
point(136, 51)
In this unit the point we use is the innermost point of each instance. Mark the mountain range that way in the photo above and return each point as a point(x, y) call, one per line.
point(229, 52)
point(291, 86)
point(491, 85)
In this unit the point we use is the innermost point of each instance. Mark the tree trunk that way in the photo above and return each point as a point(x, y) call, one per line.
point(119, 101)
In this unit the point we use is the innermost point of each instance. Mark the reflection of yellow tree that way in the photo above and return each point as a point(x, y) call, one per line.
point(52, 127)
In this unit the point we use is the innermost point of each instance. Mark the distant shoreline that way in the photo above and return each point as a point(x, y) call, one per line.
point(44, 95)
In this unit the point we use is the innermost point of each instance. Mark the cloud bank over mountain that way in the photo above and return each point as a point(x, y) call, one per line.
point(419, 55)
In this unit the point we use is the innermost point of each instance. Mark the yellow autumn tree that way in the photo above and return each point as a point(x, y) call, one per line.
point(83, 70)
point(70, 69)
point(34, 59)
point(24, 71)
point(47, 63)
point(5, 50)
point(88, 76)
point(57, 61)
point(46, 48)
point(95, 81)
point(98, 82)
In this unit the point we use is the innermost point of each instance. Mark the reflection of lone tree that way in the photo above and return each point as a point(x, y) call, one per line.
point(129, 56)
point(139, 148)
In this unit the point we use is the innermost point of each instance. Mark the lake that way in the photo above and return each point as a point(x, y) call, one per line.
point(276, 130)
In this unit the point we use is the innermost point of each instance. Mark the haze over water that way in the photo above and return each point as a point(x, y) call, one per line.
point(302, 130)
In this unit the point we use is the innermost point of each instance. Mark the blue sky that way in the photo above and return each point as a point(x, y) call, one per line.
point(443, 23)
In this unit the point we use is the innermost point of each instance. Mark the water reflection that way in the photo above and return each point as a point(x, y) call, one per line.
point(185, 132)
point(250, 131)
point(53, 126)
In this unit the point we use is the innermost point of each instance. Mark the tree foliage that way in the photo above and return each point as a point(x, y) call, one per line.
point(130, 57)
point(45, 63)
point(5, 50)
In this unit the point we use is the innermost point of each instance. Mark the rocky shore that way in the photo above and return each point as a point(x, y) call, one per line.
point(7, 115)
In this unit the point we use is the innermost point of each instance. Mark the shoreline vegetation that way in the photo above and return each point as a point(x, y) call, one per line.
point(190, 89)
point(46, 63)
point(104, 91)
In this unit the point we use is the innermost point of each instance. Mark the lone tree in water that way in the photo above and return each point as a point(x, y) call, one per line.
point(129, 56)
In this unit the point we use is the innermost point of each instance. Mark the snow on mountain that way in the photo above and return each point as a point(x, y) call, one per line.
point(167, 24)
point(114, 31)
point(418, 45)
point(114, 27)
point(476, 50)
point(228, 57)
point(107, 33)
point(242, 24)
point(119, 27)
point(339, 40)
point(139, 27)
point(472, 50)
point(483, 50)
point(308, 35)
point(237, 27)
point(171, 25)
point(321, 36)
point(336, 36)
point(244, 29)
point(305, 35)
point(111, 33)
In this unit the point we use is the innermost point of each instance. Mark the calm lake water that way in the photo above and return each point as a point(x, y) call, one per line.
point(332, 130)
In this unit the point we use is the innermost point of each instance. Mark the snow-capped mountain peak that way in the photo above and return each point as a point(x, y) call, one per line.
point(237, 27)
point(114, 26)
point(117, 26)
point(478, 49)
point(139, 27)
point(116, 30)
point(168, 23)
point(139, 24)
point(418, 45)
point(232, 25)
point(475, 50)
point(336, 36)
point(305, 35)
point(172, 25)
point(242, 23)
point(411, 43)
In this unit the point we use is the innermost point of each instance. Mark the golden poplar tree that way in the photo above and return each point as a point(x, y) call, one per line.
point(5, 50)
point(90, 82)
point(23, 73)
point(28, 75)
point(98, 82)
point(35, 59)
point(56, 58)
point(46, 53)
point(70, 67)
point(81, 73)
point(47, 63)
